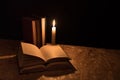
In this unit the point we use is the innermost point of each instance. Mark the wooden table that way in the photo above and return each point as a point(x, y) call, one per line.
point(90, 63)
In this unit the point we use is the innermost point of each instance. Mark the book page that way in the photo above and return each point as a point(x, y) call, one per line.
point(53, 51)
point(32, 50)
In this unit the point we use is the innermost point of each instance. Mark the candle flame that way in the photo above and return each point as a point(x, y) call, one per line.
point(54, 22)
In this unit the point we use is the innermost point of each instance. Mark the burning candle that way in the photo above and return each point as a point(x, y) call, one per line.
point(53, 32)
point(43, 31)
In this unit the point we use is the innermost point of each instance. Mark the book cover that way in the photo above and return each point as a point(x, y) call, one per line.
point(46, 58)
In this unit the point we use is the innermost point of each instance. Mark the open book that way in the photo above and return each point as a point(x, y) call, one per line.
point(48, 57)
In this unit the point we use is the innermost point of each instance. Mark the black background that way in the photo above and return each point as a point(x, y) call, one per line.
point(84, 22)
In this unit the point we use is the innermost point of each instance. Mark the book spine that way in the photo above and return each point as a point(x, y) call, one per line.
point(34, 32)
point(38, 33)
point(27, 30)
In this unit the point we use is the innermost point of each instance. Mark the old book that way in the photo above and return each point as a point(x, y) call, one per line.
point(31, 30)
point(27, 26)
point(48, 57)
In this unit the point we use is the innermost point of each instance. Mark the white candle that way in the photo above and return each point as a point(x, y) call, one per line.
point(43, 31)
point(53, 32)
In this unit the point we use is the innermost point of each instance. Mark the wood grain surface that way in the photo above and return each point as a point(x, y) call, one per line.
point(90, 63)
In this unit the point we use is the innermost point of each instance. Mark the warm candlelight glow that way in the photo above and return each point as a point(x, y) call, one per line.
point(53, 32)
point(53, 28)
point(54, 22)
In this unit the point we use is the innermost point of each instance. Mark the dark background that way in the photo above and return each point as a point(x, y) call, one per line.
point(84, 22)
